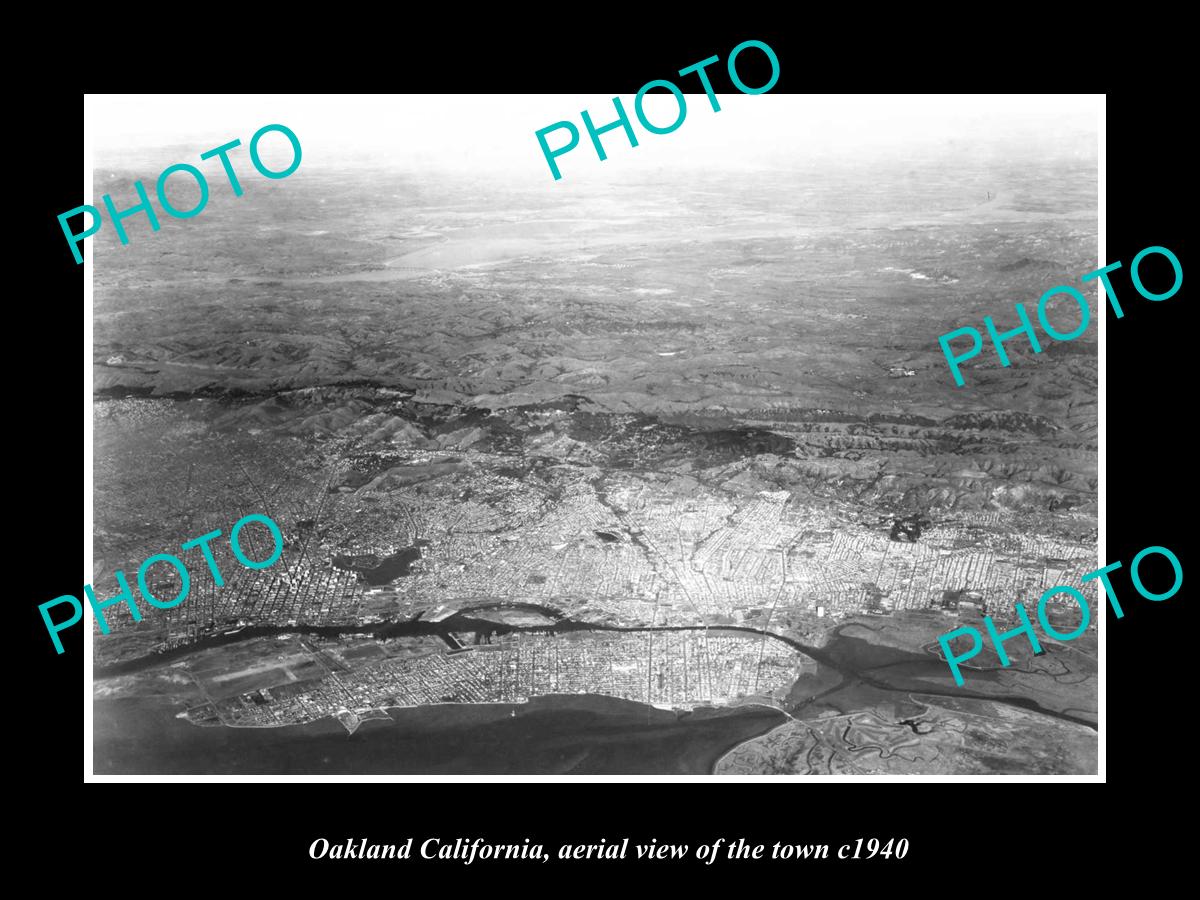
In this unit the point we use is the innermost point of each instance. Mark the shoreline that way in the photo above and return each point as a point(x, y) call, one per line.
point(582, 734)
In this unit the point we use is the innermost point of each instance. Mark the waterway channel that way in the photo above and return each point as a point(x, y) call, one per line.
point(853, 660)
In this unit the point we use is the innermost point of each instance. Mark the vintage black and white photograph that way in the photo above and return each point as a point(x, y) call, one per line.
point(657, 467)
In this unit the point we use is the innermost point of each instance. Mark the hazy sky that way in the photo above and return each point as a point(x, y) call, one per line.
point(495, 133)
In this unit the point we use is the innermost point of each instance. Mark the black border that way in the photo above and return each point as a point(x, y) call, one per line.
point(954, 828)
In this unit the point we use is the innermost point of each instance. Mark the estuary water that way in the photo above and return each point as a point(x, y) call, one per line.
point(548, 735)
point(557, 734)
